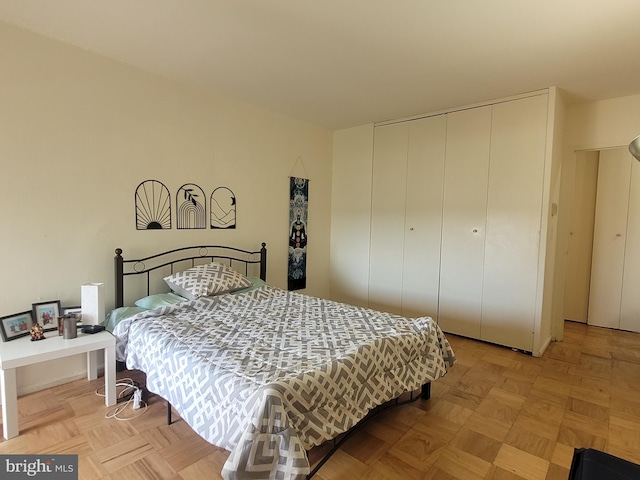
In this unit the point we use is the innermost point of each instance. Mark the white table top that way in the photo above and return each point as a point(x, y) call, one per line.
point(22, 351)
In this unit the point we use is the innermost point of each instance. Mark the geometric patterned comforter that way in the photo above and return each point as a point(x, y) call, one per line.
point(268, 374)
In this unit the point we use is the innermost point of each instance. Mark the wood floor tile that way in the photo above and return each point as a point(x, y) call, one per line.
point(530, 441)
point(124, 452)
point(150, 466)
point(521, 463)
point(517, 385)
point(462, 465)
point(624, 407)
point(497, 415)
point(623, 433)
point(556, 472)
point(476, 444)
point(365, 447)
point(589, 409)
point(592, 390)
point(341, 465)
point(437, 426)
point(417, 449)
point(389, 467)
point(562, 455)
point(544, 407)
point(208, 467)
point(496, 429)
point(543, 427)
point(497, 473)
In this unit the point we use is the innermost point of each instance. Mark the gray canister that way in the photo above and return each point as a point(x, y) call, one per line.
point(70, 328)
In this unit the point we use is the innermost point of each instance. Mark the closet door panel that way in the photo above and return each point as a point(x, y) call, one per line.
point(609, 237)
point(425, 172)
point(388, 217)
point(514, 208)
point(463, 220)
point(630, 303)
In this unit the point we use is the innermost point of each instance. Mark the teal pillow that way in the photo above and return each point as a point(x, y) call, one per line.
point(119, 314)
point(159, 300)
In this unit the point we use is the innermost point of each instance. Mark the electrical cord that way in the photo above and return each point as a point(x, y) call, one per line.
point(133, 395)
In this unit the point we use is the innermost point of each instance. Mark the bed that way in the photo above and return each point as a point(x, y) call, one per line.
point(265, 373)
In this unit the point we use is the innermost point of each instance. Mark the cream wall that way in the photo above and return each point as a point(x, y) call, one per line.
point(79, 132)
point(604, 124)
point(351, 214)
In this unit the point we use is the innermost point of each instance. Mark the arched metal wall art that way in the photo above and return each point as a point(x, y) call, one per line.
point(223, 208)
point(191, 210)
point(153, 206)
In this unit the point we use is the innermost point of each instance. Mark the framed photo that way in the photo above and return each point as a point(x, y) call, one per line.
point(16, 325)
point(46, 314)
point(75, 312)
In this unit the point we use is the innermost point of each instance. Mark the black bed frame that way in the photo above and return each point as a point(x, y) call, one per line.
point(164, 262)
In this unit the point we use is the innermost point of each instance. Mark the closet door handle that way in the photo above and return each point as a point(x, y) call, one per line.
point(618, 234)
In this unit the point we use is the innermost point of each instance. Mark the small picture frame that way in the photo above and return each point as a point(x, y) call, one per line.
point(16, 325)
point(75, 312)
point(46, 314)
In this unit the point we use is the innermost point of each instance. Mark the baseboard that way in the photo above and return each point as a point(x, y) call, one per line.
point(544, 346)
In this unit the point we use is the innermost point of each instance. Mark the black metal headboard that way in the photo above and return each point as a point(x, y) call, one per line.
point(185, 257)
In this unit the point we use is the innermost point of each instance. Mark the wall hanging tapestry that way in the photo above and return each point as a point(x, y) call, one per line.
point(298, 228)
point(153, 206)
point(191, 211)
point(223, 208)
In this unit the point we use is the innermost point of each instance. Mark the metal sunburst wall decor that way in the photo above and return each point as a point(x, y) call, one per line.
point(153, 206)
point(191, 211)
point(223, 208)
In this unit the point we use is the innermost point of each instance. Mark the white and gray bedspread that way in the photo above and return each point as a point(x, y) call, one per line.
point(269, 374)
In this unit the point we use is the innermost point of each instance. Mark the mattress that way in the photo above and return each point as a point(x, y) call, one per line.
point(269, 374)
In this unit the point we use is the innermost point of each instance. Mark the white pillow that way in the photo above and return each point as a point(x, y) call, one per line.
point(206, 280)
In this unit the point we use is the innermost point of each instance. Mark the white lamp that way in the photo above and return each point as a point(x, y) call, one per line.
point(634, 148)
point(92, 303)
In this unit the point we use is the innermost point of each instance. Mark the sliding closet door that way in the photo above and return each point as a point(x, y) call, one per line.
point(463, 221)
point(388, 216)
point(630, 303)
point(609, 238)
point(425, 171)
point(514, 205)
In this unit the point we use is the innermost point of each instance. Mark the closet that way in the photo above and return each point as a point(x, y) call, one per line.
point(457, 209)
point(464, 220)
point(406, 213)
point(615, 269)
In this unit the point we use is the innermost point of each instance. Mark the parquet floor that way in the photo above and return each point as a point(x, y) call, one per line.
point(498, 414)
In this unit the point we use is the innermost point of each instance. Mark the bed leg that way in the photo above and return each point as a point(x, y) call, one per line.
point(168, 413)
point(426, 391)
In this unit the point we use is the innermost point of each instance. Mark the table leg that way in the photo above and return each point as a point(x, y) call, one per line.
point(10, 427)
point(110, 376)
point(92, 365)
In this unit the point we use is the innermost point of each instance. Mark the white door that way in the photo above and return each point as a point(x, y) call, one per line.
point(425, 172)
point(630, 303)
point(463, 221)
point(580, 248)
point(514, 209)
point(609, 238)
point(388, 216)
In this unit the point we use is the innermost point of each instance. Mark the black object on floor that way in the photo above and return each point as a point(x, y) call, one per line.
point(590, 464)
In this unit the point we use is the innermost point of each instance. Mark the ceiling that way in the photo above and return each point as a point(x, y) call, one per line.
point(341, 63)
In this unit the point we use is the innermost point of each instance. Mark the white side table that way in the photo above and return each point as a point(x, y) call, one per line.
point(22, 351)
